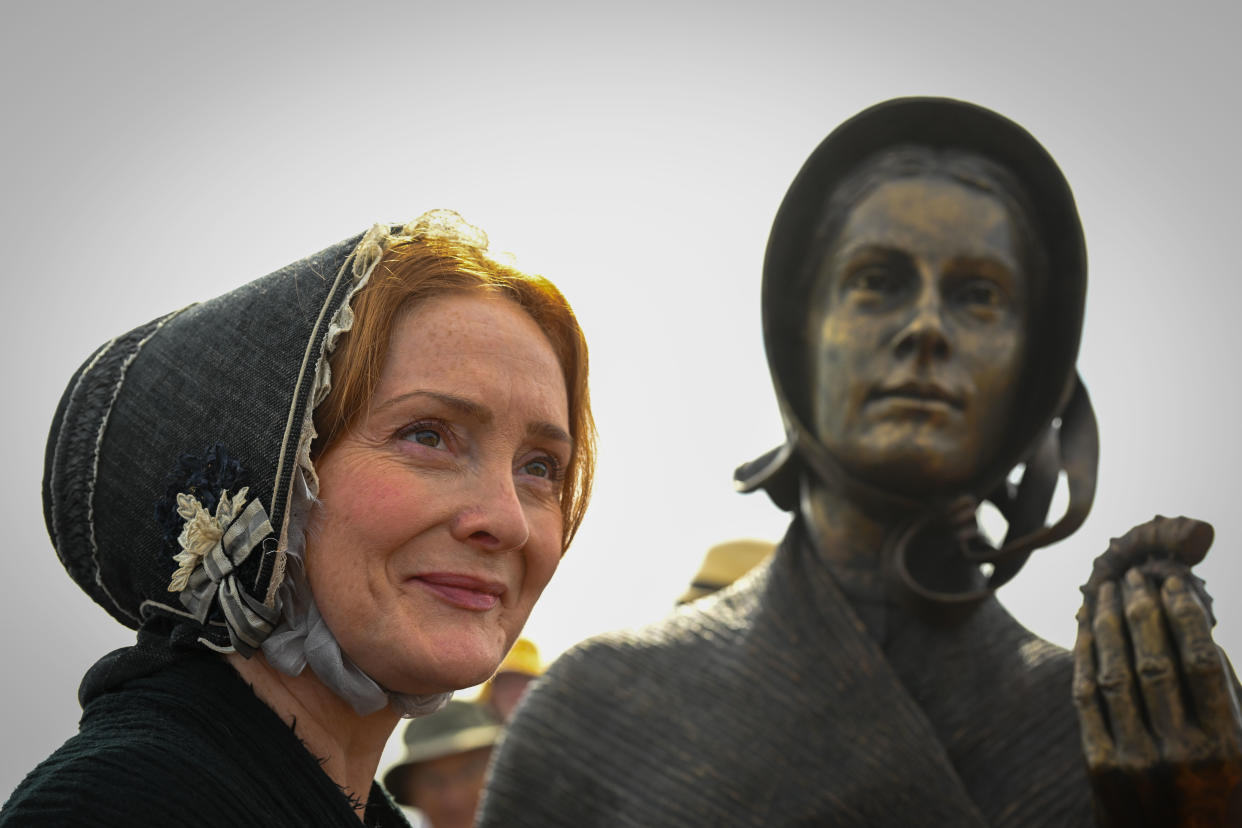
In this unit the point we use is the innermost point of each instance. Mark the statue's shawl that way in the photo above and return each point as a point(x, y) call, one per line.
point(769, 704)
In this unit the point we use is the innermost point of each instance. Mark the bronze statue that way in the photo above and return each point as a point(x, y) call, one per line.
point(923, 300)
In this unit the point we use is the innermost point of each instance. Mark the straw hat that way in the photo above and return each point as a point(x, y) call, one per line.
point(724, 564)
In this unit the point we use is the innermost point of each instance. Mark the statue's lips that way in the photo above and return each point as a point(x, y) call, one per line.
point(918, 393)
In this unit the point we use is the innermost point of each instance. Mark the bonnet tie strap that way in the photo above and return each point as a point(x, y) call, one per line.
point(1073, 449)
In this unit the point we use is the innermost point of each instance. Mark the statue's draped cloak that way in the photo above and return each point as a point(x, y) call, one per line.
point(773, 703)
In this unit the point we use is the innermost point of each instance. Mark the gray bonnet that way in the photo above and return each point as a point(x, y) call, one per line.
point(178, 480)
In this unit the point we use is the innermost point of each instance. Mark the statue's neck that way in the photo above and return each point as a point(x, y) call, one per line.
point(856, 540)
point(850, 541)
point(847, 535)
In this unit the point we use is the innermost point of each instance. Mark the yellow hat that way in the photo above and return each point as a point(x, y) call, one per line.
point(724, 564)
point(522, 658)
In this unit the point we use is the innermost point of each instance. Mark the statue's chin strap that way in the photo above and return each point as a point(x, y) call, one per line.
point(1069, 445)
point(1072, 447)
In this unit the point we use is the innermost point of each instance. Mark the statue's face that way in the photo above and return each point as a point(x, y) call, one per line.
point(917, 334)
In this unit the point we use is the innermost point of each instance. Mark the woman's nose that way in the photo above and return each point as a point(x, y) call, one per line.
point(491, 516)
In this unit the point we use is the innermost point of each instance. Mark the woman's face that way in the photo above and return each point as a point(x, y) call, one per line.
point(918, 334)
point(440, 523)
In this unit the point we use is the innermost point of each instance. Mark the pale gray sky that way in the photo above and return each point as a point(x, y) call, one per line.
point(158, 153)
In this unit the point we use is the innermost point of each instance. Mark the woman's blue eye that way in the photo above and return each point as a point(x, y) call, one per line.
point(426, 437)
point(545, 467)
point(538, 468)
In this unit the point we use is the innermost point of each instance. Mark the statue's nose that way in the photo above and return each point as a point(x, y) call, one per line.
point(923, 337)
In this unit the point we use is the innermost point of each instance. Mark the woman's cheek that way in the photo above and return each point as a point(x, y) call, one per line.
point(548, 558)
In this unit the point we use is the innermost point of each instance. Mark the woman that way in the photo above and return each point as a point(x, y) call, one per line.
point(325, 500)
point(923, 297)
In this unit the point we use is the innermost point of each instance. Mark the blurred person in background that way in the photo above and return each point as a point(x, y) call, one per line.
point(325, 500)
point(503, 691)
point(723, 564)
point(445, 762)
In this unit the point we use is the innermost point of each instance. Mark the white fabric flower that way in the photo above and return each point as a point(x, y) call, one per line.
point(202, 531)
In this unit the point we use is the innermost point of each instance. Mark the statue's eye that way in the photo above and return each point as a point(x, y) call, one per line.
point(874, 279)
point(980, 296)
point(980, 292)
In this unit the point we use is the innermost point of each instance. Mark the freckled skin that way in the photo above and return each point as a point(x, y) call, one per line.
point(447, 472)
point(917, 335)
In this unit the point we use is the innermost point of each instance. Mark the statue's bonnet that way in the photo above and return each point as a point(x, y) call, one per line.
point(1054, 429)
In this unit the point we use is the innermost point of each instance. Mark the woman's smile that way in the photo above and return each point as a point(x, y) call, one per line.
point(465, 592)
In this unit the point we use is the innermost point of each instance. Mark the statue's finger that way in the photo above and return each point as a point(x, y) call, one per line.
point(1155, 667)
point(1186, 539)
point(1204, 668)
point(1171, 540)
point(1097, 744)
point(1115, 680)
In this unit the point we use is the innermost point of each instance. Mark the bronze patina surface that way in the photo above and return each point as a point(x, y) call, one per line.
point(923, 300)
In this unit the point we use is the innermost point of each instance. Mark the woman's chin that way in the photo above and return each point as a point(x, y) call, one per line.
point(424, 685)
point(450, 671)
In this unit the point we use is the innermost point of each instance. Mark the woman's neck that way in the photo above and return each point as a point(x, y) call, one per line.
point(347, 744)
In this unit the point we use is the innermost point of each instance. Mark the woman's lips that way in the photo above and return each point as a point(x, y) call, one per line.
point(462, 591)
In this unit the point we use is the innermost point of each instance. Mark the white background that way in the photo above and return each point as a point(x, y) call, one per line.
point(153, 154)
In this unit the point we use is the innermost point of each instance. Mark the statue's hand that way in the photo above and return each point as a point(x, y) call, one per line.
point(1161, 726)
